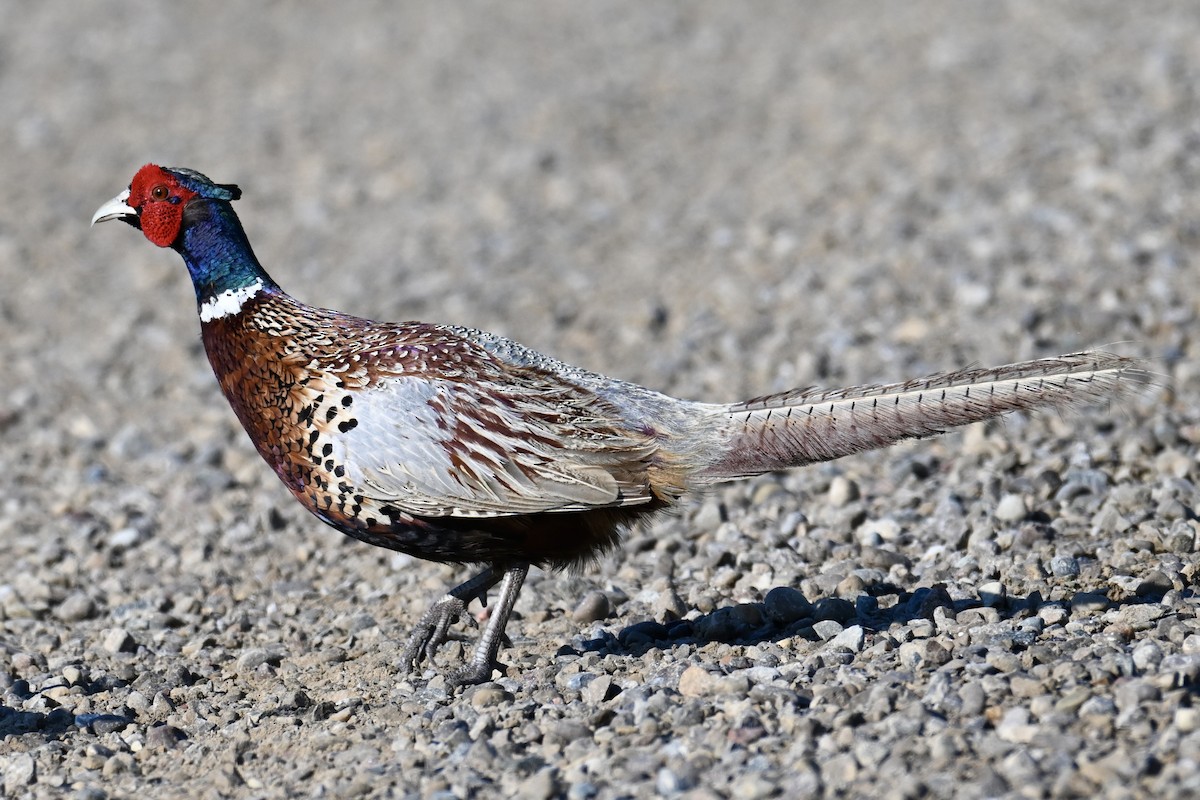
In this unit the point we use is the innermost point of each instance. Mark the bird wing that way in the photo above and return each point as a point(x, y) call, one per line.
point(519, 441)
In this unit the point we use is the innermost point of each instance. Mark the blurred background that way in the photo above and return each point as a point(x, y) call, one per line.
point(801, 194)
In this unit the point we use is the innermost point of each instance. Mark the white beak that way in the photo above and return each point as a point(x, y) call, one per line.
point(114, 209)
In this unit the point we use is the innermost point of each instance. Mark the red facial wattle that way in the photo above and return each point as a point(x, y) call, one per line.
point(159, 200)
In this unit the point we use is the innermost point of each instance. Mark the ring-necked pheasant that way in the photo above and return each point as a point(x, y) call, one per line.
point(456, 445)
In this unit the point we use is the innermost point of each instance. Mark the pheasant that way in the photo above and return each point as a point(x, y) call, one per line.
point(455, 445)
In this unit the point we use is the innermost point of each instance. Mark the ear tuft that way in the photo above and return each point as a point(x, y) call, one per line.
point(201, 185)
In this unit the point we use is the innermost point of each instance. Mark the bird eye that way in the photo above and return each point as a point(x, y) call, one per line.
point(159, 192)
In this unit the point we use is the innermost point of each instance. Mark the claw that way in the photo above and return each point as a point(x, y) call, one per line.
point(472, 673)
point(433, 630)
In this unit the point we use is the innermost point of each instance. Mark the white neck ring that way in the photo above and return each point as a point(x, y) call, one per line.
point(228, 302)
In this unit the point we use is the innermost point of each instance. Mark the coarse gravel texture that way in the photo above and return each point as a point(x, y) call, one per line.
point(714, 199)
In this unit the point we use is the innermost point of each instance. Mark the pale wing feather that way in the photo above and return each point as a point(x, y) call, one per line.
point(458, 449)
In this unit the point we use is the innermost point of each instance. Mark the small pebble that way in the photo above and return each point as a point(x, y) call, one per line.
point(102, 723)
point(165, 737)
point(76, 607)
point(1064, 567)
point(784, 605)
point(1071, 700)
point(252, 659)
point(723, 625)
point(1140, 617)
point(833, 608)
point(582, 791)
point(850, 587)
point(1156, 583)
point(539, 786)
point(593, 607)
point(698, 682)
point(842, 490)
point(667, 782)
point(490, 694)
point(993, 594)
point(851, 638)
point(599, 690)
point(646, 632)
point(1015, 727)
point(923, 654)
point(1187, 719)
point(1011, 508)
point(1147, 656)
point(1003, 661)
point(124, 538)
point(118, 640)
point(710, 515)
point(748, 615)
point(1088, 602)
point(1053, 615)
point(884, 530)
point(74, 675)
point(19, 772)
point(828, 629)
point(753, 787)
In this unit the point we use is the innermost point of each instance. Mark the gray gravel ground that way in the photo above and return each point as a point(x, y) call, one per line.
point(714, 199)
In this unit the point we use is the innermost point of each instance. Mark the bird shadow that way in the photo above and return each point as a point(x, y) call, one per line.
point(51, 724)
point(14, 722)
point(56, 723)
point(784, 614)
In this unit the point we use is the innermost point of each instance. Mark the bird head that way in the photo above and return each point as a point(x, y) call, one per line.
point(157, 197)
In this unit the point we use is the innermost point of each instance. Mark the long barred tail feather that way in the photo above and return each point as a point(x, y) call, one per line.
point(804, 426)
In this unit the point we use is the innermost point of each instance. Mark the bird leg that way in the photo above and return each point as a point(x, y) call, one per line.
point(433, 629)
point(483, 660)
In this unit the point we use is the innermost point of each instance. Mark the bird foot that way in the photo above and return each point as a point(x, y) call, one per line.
point(433, 630)
point(473, 672)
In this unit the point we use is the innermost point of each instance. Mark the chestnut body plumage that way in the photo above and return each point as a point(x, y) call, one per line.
point(456, 445)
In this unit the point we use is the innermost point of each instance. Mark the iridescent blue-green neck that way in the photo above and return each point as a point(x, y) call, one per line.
point(216, 250)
